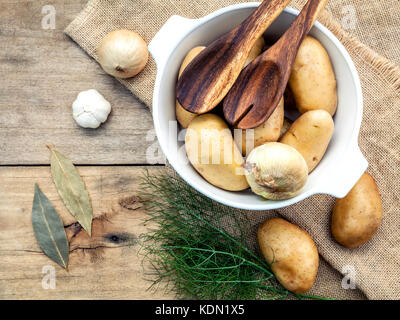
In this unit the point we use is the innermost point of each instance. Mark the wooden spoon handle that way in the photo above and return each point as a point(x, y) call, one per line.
point(260, 86)
point(255, 25)
point(209, 76)
point(300, 27)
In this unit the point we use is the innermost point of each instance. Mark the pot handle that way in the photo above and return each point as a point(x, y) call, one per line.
point(162, 44)
point(352, 167)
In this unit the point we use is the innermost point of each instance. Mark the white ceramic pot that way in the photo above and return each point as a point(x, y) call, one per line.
point(343, 163)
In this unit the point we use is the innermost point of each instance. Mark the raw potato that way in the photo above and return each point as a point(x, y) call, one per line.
point(310, 135)
point(213, 153)
point(184, 117)
point(269, 131)
point(312, 80)
point(290, 252)
point(255, 51)
point(357, 217)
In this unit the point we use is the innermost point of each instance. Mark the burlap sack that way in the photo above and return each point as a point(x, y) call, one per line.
point(372, 39)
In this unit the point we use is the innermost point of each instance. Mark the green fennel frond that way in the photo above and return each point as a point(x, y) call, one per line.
point(198, 248)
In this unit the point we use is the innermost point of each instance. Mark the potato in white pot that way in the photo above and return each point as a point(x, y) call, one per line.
point(213, 153)
point(269, 131)
point(310, 134)
point(312, 80)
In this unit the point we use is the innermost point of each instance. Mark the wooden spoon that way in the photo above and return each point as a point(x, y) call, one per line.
point(208, 78)
point(260, 86)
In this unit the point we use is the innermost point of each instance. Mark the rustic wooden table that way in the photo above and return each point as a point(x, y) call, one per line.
point(42, 72)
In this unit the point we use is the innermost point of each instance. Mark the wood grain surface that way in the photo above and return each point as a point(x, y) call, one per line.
point(106, 266)
point(42, 73)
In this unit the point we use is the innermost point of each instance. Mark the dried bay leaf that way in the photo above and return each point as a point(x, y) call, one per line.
point(49, 229)
point(71, 189)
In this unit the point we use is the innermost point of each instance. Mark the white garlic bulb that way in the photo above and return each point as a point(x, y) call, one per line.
point(90, 109)
point(123, 53)
point(276, 171)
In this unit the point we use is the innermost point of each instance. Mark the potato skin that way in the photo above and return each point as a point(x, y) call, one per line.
point(184, 117)
point(310, 134)
point(290, 252)
point(357, 217)
point(206, 130)
point(269, 131)
point(312, 79)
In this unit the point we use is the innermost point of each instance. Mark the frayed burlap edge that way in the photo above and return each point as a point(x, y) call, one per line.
point(387, 70)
